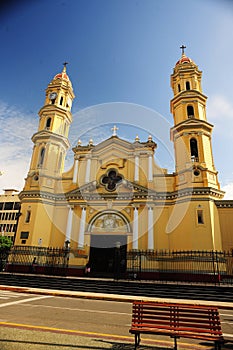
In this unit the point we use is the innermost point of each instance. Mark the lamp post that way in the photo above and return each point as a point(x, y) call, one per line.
point(66, 255)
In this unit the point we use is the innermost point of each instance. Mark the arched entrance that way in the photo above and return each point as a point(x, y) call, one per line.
point(108, 245)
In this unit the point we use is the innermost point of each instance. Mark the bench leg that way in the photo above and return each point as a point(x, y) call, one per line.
point(217, 345)
point(175, 343)
point(137, 340)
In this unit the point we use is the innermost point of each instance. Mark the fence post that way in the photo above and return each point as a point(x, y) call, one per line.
point(140, 265)
point(217, 264)
point(214, 270)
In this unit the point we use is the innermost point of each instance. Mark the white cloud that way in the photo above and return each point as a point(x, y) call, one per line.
point(15, 143)
point(229, 191)
point(220, 113)
point(219, 106)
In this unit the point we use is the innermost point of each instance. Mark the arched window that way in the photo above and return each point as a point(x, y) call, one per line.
point(41, 159)
point(48, 123)
point(187, 85)
point(179, 89)
point(190, 111)
point(61, 101)
point(194, 150)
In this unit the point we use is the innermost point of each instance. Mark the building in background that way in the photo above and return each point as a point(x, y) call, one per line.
point(9, 213)
point(116, 195)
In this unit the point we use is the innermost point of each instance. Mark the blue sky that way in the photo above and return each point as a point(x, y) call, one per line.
point(121, 54)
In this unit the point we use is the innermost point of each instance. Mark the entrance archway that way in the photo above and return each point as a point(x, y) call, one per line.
point(108, 244)
point(108, 255)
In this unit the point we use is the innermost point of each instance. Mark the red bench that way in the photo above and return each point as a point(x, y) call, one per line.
point(176, 321)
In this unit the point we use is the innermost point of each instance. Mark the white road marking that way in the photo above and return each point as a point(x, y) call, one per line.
point(76, 309)
point(13, 294)
point(228, 335)
point(1, 297)
point(4, 294)
point(25, 300)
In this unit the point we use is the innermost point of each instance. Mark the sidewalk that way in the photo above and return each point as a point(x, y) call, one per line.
point(112, 297)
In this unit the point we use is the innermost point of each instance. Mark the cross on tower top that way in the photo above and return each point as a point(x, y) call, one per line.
point(65, 64)
point(182, 47)
point(114, 130)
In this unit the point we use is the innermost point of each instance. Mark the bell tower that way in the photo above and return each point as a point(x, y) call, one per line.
point(44, 179)
point(191, 133)
point(51, 140)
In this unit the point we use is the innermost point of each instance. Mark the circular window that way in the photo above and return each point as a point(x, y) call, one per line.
point(111, 180)
point(196, 172)
point(36, 177)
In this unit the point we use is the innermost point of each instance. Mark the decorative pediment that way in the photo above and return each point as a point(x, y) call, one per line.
point(110, 222)
point(194, 124)
point(94, 191)
point(114, 142)
point(114, 147)
point(46, 135)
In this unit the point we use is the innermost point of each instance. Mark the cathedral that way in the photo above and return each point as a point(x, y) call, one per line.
point(115, 195)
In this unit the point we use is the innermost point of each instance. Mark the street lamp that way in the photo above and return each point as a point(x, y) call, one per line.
point(67, 254)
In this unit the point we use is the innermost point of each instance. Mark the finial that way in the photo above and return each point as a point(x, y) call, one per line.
point(137, 138)
point(114, 130)
point(79, 142)
point(64, 64)
point(182, 47)
point(90, 142)
point(149, 138)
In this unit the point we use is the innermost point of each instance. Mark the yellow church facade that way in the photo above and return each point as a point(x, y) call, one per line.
point(115, 194)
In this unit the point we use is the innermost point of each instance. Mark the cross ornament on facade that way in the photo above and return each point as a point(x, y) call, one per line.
point(114, 130)
point(182, 48)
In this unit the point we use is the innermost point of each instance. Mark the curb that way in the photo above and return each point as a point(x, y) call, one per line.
point(112, 297)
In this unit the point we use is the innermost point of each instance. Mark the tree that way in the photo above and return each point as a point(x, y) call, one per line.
point(5, 243)
point(5, 246)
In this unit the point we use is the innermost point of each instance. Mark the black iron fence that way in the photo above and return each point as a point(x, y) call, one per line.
point(38, 259)
point(199, 266)
point(3, 257)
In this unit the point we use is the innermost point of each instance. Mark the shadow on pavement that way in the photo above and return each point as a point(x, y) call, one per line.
point(6, 344)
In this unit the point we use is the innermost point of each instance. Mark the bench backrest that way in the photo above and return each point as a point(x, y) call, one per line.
point(176, 317)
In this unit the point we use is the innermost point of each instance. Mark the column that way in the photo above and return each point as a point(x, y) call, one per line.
point(75, 175)
point(88, 170)
point(150, 168)
point(69, 224)
point(135, 229)
point(82, 228)
point(136, 168)
point(150, 228)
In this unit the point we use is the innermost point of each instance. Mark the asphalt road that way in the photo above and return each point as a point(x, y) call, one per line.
point(50, 322)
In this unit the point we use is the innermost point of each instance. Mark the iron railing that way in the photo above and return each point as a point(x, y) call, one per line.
point(199, 266)
point(38, 259)
point(205, 266)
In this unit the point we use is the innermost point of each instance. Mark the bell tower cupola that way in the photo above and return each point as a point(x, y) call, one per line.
point(189, 100)
point(191, 132)
point(59, 92)
point(51, 140)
